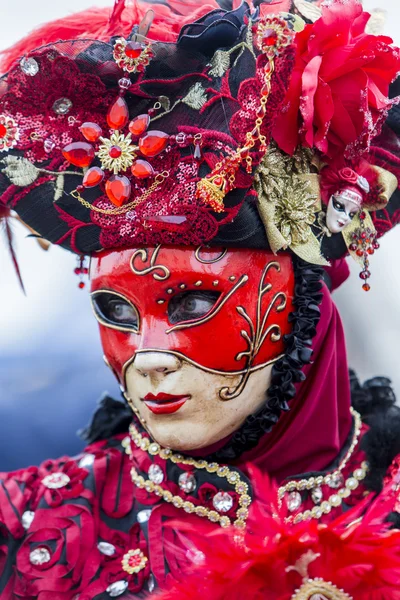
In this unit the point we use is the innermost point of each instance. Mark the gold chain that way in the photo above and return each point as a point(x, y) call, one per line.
point(224, 472)
point(336, 499)
point(121, 210)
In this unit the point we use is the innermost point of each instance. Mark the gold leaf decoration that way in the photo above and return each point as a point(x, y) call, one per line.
point(288, 200)
point(196, 97)
point(220, 63)
point(165, 102)
point(20, 171)
point(59, 187)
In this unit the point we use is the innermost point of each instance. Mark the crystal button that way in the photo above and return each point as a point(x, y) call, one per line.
point(106, 548)
point(156, 474)
point(56, 481)
point(187, 482)
point(27, 519)
point(151, 584)
point(62, 106)
point(143, 516)
point(117, 589)
point(39, 556)
point(29, 66)
point(335, 480)
point(293, 501)
point(86, 461)
point(316, 495)
point(223, 502)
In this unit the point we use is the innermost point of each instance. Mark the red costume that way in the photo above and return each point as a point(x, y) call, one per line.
point(205, 162)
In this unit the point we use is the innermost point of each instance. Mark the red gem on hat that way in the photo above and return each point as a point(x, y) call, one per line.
point(118, 189)
point(79, 154)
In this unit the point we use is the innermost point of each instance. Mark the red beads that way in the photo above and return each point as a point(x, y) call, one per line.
point(118, 115)
point(133, 49)
point(91, 131)
point(153, 143)
point(139, 125)
point(142, 169)
point(366, 287)
point(3, 131)
point(115, 152)
point(118, 189)
point(93, 177)
point(80, 154)
point(269, 37)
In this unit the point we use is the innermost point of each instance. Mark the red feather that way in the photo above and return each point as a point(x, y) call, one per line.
point(361, 556)
point(103, 23)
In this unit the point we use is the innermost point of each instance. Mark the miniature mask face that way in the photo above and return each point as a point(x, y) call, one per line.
point(192, 334)
point(341, 211)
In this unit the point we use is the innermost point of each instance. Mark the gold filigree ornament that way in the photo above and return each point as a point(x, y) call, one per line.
point(318, 589)
point(134, 55)
point(117, 153)
point(289, 202)
point(134, 561)
point(314, 589)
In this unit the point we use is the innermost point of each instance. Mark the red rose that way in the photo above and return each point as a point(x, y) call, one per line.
point(347, 175)
point(337, 98)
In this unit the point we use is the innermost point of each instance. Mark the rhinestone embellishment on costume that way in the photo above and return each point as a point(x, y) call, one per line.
point(187, 482)
point(134, 561)
point(62, 106)
point(156, 474)
point(223, 502)
point(143, 516)
point(106, 548)
point(29, 66)
point(293, 501)
point(117, 589)
point(27, 519)
point(56, 481)
point(39, 556)
point(335, 481)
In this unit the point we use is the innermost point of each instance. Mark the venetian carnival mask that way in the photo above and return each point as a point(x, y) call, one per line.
point(192, 334)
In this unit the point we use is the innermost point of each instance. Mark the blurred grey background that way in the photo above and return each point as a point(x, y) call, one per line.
point(51, 368)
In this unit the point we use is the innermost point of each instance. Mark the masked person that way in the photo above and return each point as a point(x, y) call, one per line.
point(216, 163)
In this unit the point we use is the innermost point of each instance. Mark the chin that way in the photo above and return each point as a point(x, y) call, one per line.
point(182, 437)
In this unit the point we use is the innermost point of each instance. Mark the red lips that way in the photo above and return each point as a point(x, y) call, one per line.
point(164, 404)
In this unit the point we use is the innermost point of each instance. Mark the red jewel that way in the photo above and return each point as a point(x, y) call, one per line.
point(142, 169)
point(77, 271)
point(153, 143)
point(371, 251)
point(353, 247)
point(93, 177)
point(135, 561)
point(362, 216)
point(139, 125)
point(360, 252)
point(363, 235)
point(133, 49)
point(81, 285)
point(91, 131)
point(118, 189)
point(3, 131)
point(269, 37)
point(118, 115)
point(115, 152)
point(376, 245)
point(80, 188)
point(151, 112)
point(80, 154)
point(218, 181)
point(366, 287)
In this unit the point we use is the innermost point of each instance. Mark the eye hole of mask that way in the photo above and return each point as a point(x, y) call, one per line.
point(113, 309)
point(191, 305)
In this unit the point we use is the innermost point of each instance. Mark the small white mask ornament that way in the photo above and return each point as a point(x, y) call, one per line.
point(342, 208)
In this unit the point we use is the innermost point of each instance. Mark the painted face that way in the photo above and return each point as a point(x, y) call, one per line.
point(192, 334)
point(341, 211)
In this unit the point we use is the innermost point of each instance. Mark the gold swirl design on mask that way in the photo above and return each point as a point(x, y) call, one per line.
point(258, 332)
point(215, 310)
point(203, 261)
point(153, 268)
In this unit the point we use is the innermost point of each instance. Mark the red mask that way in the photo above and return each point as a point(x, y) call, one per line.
point(226, 311)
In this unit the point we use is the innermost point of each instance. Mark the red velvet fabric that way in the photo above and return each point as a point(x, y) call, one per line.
point(310, 436)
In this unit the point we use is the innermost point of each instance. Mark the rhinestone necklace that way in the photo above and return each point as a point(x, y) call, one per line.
point(335, 480)
point(224, 472)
